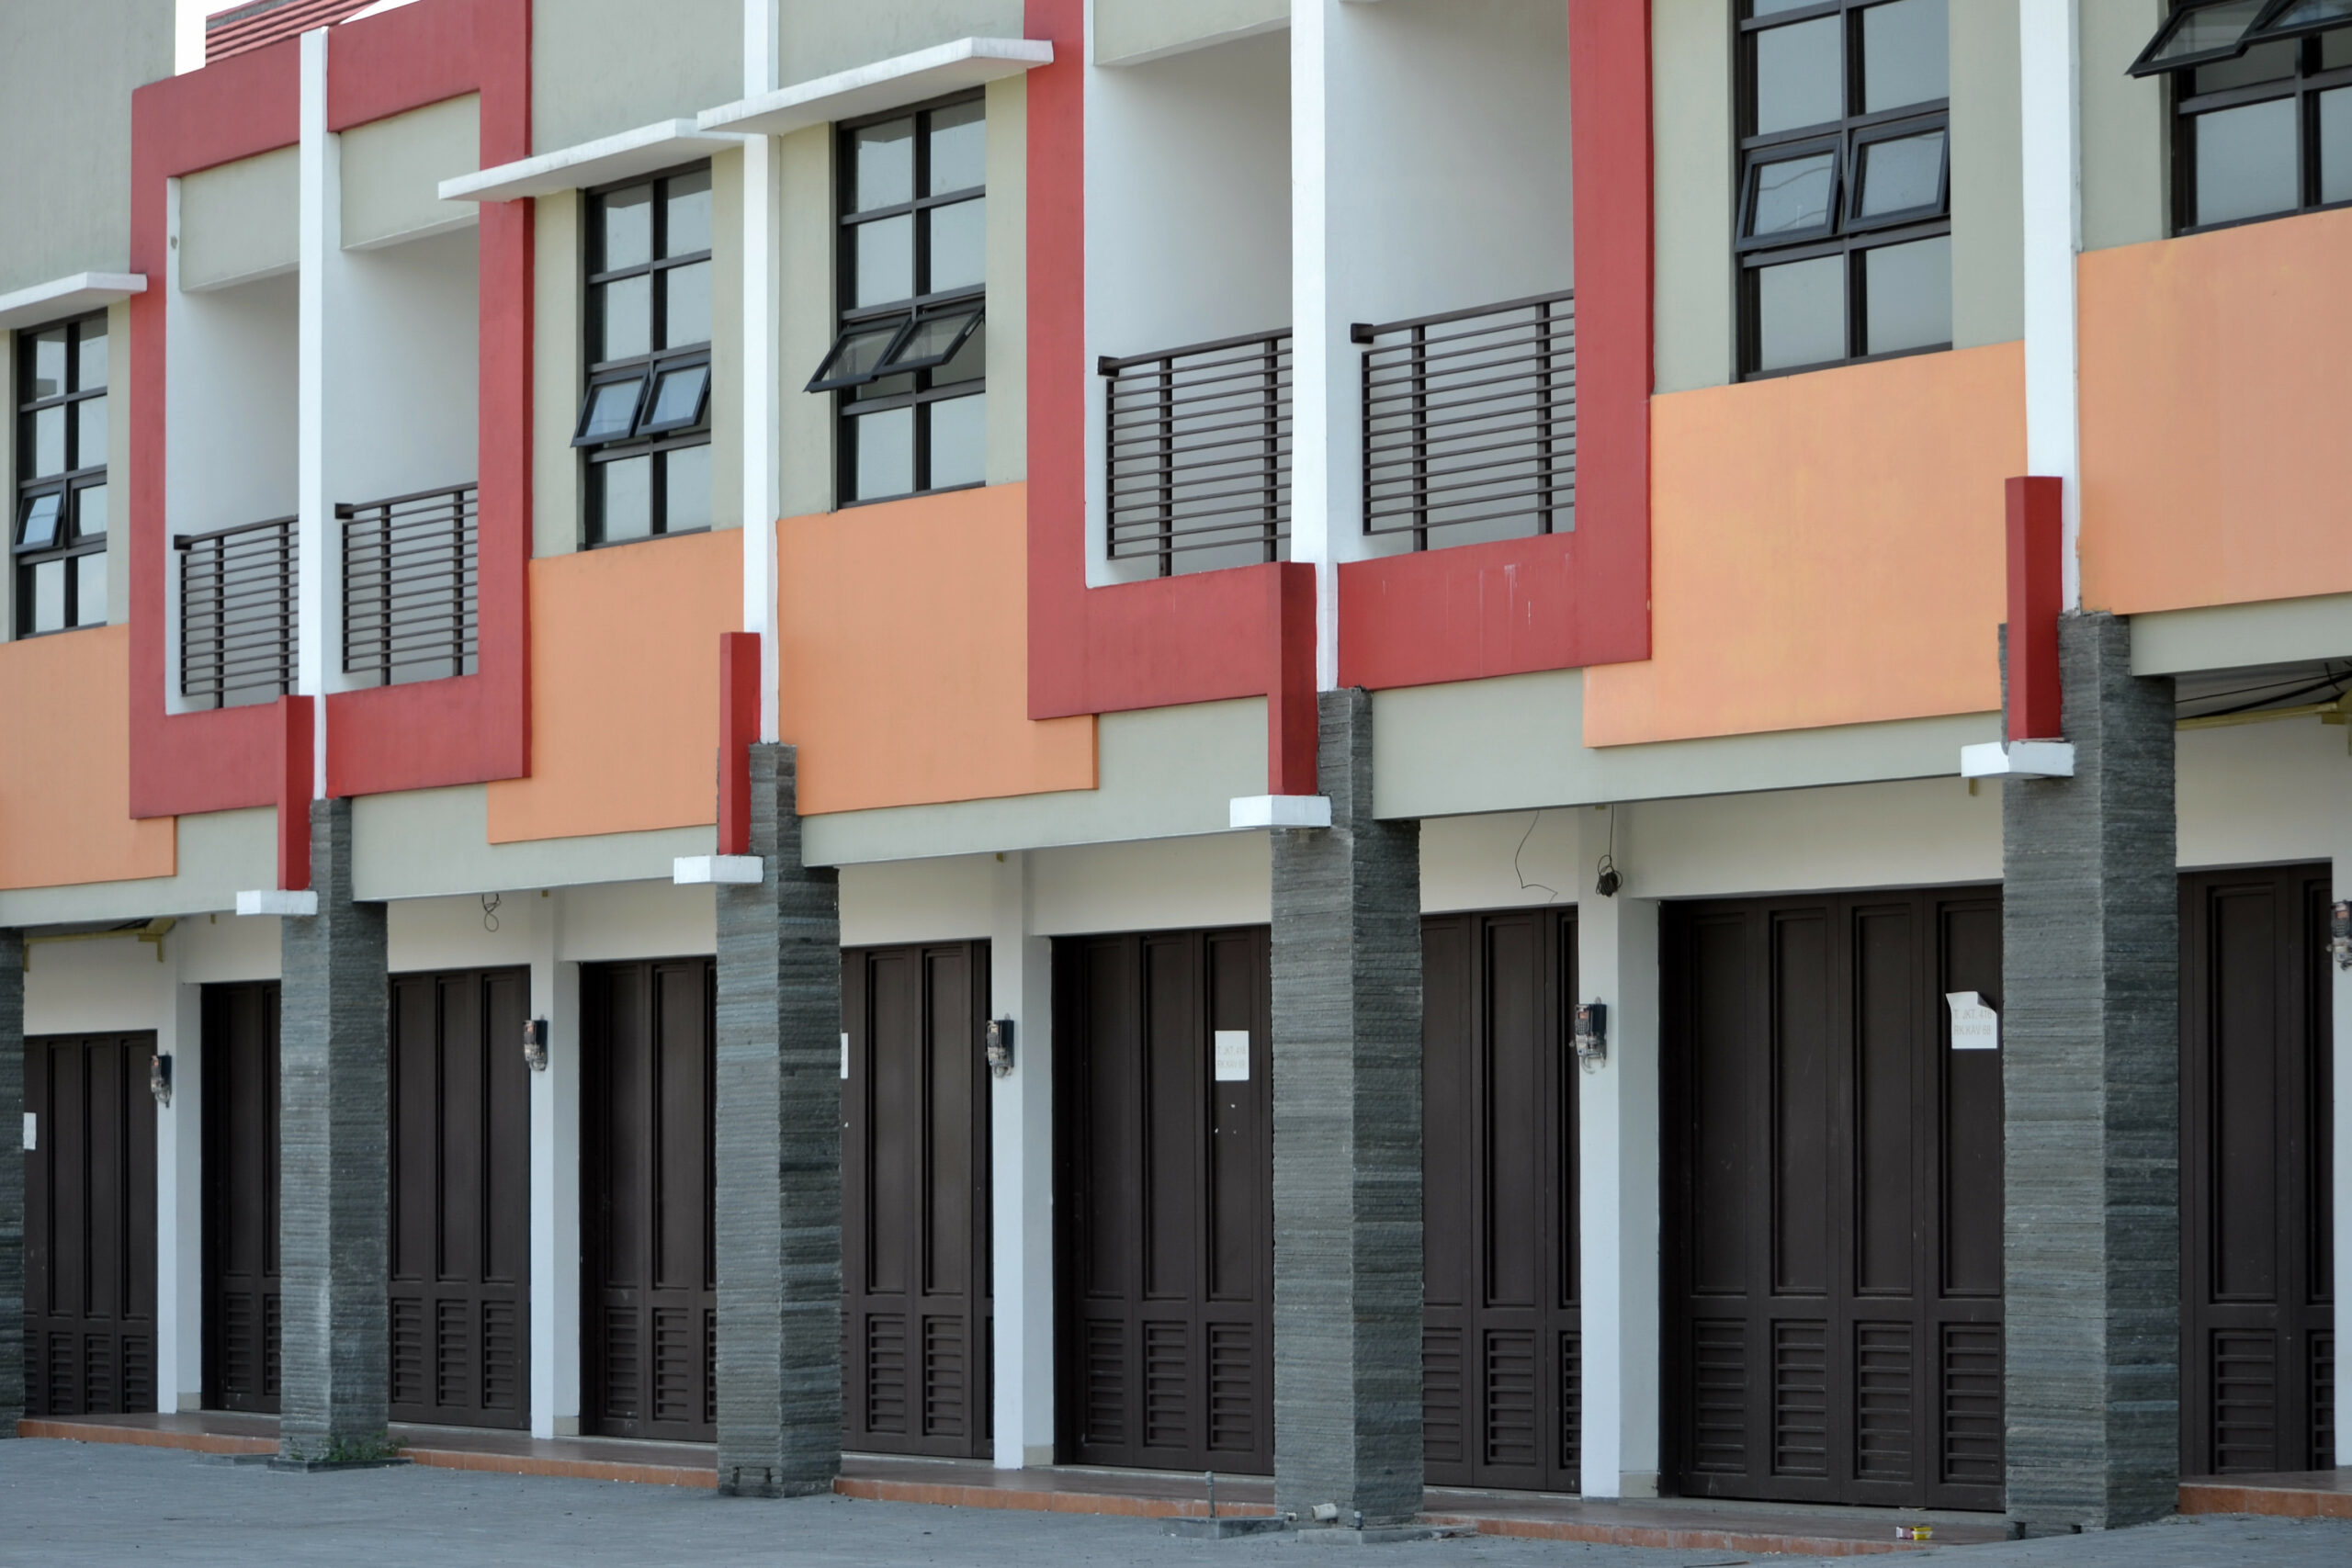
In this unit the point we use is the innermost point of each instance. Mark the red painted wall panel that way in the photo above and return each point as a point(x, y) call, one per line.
point(2037, 589)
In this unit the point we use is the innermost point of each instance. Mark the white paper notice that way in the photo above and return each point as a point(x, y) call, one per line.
point(845, 1052)
point(1233, 1056)
point(1974, 1025)
point(32, 1132)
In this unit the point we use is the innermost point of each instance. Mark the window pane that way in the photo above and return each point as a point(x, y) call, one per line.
point(688, 215)
point(2335, 145)
point(2246, 161)
point(883, 453)
point(2209, 28)
point(959, 245)
point(858, 350)
point(1793, 196)
point(677, 396)
point(686, 487)
point(1906, 54)
point(1801, 312)
point(1907, 296)
point(886, 259)
point(626, 503)
point(90, 438)
point(959, 441)
point(626, 310)
point(882, 165)
point(2335, 48)
point(930, 340)
point(612, 409)
point(90, 589)
point(90, 512)
point(38, 529)
point(2263, 62)
point(883, 387)
point(1772, 7)
point(49, 363)
point(628, 229)
point(91, 372)
point(959, 145)
point(1902, 175)
point(48, 596)
point(686, 315)
point(1799, 73)
point(49, 442)
point(971, 361)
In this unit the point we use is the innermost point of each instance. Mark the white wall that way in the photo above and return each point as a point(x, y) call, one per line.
point(229, 406)
point(403, 367)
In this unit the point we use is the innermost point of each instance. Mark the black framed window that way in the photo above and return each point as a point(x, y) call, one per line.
point(2261, 90)
point(644, 424)
point(908, 369)
point(58, 542)
point(1842, 225)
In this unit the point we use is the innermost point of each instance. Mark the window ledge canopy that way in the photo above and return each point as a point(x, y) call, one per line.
point(883, 86)
point(644, 151)
point(73, 295)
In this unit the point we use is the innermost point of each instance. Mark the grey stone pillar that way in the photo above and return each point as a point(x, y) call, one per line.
point(12, 1182)
point(1347, 1055)
point(779, 1158)
point(334, 1162)
point(2091, 1185)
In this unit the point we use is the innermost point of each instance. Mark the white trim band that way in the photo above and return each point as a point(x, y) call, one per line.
point(69, 296)
point(646, 150)
point(278, 901)
point(2019, 759)
point(1281, 811)
point(697, 871)
point(885, 85)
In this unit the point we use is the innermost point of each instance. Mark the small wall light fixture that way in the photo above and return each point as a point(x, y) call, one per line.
point(535, 1044)
point(2339, 934)
point(159, 1078)
point(1000, 1046)
point(1592, 1034)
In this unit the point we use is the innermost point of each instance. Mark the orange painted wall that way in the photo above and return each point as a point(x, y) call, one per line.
point(624, 689)
point(2216, 392)
point(1824, 548)
point(905, 656)
point(65, 766)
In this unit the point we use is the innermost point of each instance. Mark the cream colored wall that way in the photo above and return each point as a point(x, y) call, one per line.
point(556, 375)
point(821, 37)
point(1691, 159)
point(1128, 32)
point(392, 169)
point(219, 853)
point(1008, 274)
point(599, 67)
point(805, 318)
point(727, 341)
point(1987, 179)
point(2126, 148)
point(239, 220)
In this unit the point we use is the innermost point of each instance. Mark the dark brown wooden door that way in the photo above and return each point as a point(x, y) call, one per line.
point(650, 1340)
point(240, 1320)
point(90, 1226)
point(2257, 1260)
point(1501, 1342)
point(461, 1199)
point(1833, 1212)
point(1164, 1201)
point(915, 1200)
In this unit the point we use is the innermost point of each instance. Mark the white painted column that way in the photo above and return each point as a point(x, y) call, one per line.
point(1021, 1175)
point(2342, 1175)
point(179, 1203)
point(320, 246)
point(1617, 1173)
point(2050, 104)
point(763, 364)
point(1324, 451)
point(555, 1182)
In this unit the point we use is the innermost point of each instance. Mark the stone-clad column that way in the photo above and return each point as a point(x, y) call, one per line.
point(12, 1181)
point(334, 1162)
point(779, 1157)
point(1347, 1055)
point(2090, 962)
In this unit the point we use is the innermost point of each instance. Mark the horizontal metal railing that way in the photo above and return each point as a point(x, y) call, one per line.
point(1198, 453)
point(1470, 423)
point(410, 586)
point(237, 627)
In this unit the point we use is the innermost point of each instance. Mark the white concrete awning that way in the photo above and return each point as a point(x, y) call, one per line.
point(70, 296)
point(600, 161)
point(883, 86)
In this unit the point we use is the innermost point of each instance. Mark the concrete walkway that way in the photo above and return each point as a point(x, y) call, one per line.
point(70, 1502)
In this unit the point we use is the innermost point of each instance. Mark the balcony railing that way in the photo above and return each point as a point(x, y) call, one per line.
point(410, 586)
point(237, 627)
point(1470, 423)
point(1196, 453)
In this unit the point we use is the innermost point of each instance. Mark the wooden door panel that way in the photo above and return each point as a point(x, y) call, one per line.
point(1833, 1200)
point(2257, 1288)
point(1164, 1201)
point(241, 1272)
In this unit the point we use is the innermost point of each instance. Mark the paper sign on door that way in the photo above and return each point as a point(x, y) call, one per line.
point(32, 1131)
point(1974, 1025)
point(1233, 1056)
point(844, 1054)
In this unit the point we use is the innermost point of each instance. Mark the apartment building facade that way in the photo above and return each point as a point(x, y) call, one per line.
point(1581, 745)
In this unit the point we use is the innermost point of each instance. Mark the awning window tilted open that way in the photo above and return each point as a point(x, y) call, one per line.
point(2200, 35)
